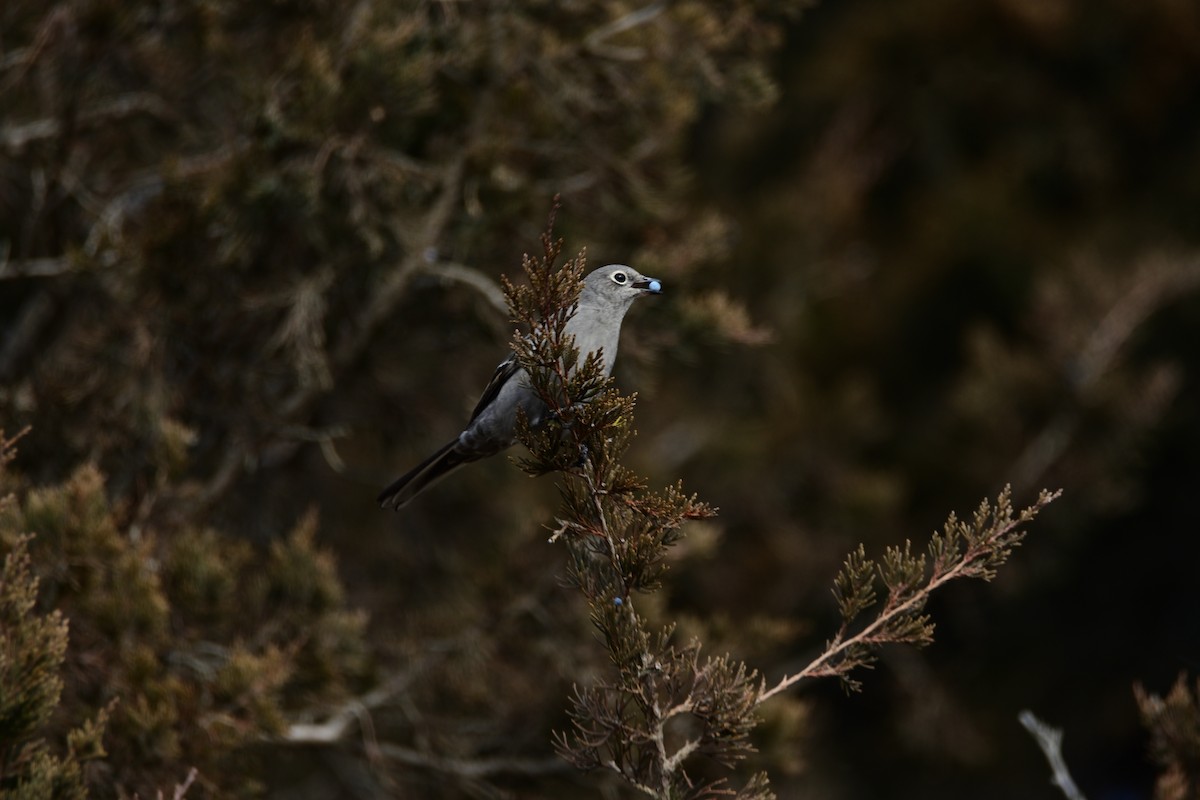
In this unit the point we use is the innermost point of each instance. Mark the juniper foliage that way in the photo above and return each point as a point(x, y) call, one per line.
point(1174, 724)
point(32, 650)
point(972, 548)
point(187, 648)
point(33, 647)
point(216, 218)
point(666, 703)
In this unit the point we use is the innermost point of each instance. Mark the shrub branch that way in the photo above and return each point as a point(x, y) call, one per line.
point(962, 550)
point(666, 704)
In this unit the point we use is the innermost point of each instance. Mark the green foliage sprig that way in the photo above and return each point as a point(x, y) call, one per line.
point(33, 649)
point(666, 703)
point(187, 650)
point(963, 549)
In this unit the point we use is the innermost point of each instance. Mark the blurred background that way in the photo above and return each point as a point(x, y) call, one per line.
point(911, 252)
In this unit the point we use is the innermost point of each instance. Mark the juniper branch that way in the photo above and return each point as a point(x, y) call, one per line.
point(617, 532)
point(962, 550)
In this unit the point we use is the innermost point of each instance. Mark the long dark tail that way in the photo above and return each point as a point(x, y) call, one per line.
point(429, 471)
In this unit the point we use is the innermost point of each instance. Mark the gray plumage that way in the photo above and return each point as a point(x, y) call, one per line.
point(606, 296)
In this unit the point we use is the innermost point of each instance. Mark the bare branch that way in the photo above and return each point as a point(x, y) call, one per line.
point(679, 756)
point(34, 268)
point(1153, 283)
point(473, 768)
point(359, 709)
point(55, 22)
point(472, 277)
point(387, 296)
point(595, 41)
point(15, 137)
point(181, 789)
point(1049, 739)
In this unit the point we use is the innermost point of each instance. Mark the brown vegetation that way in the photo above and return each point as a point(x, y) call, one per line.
point(249, 267)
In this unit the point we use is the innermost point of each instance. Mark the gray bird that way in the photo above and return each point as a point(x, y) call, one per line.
point(606, 296)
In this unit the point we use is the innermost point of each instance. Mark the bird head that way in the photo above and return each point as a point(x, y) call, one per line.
point(616, 285)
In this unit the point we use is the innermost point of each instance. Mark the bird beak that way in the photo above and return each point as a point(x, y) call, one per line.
point(651, 285)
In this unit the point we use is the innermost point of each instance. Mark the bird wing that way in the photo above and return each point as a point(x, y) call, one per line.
point(504, 372)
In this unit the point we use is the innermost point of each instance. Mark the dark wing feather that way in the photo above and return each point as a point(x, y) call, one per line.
point(504, 372)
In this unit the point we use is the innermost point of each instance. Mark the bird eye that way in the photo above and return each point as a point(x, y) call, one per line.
point(620, 278)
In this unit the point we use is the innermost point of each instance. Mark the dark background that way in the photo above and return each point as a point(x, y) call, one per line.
point(911, 251)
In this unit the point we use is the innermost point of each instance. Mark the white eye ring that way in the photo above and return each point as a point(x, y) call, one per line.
point(620, 278)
